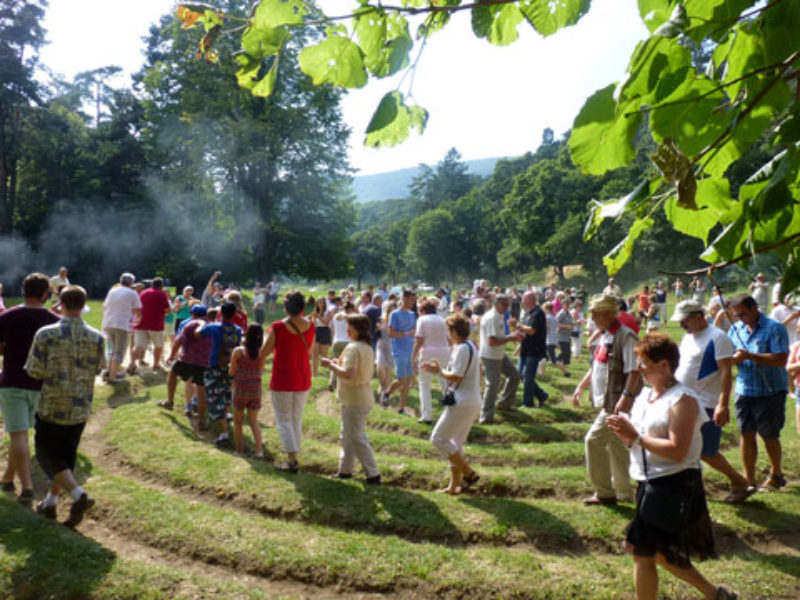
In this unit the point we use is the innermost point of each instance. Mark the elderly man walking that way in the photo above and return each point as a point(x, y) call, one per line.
point(615, 382)
point(66, 356)
point(495, 362)
point(121, 309)
point(761, 350)
point(532, 349)
point(705, 368)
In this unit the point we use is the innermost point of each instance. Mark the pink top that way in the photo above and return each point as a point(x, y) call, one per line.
point(291, 367)
point(794, 356)
point(247, 381)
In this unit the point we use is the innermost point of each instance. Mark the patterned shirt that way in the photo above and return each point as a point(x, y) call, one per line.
point(768, 337)
point(66, 356)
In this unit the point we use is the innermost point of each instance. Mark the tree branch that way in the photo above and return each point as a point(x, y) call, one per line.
point(732, 261)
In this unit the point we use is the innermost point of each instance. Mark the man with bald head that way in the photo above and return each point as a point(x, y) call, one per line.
point(532, 349)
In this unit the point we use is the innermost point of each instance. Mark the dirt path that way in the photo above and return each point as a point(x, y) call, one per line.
point(93, 446)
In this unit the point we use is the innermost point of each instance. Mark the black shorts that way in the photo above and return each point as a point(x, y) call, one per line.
point(56, 446)
point(322, 335)
point(551, 353)
point(186, 372)
point(566, 352)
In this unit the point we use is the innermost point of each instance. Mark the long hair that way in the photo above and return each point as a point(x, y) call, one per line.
point(253, 340)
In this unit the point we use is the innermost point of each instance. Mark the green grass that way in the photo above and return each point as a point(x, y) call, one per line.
point(523, 533)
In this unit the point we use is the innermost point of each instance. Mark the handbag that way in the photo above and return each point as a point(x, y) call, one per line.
point(663, 508)
point(449, 396)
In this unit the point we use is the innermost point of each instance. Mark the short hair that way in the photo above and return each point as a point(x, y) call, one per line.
point(407, 293)
point(479, 308)
point(228, 310)
point(745, 300)
point(349, 307)
point(127, 279)
point(427, 307)
point(362, 326)
point(294, 303)
point(35, 285)
point(502, 299)
point(73, 297)
point(212, 313)
point(367, 295)
point(657, 346)
point(158, 283)
point(458, 323)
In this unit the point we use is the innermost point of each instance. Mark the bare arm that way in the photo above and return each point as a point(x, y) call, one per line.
point(269, 343)
point(234, 361)
point(722, 411)
point(584, 383)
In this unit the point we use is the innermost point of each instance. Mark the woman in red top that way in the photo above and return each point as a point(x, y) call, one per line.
point(291, 340)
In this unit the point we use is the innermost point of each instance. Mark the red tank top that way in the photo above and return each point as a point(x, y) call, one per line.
point(291, 366)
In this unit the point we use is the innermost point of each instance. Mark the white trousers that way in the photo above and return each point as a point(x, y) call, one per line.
point(426, 380)
point(355, 445)
point(288, 407)
point(577, 343)
point(452, 428)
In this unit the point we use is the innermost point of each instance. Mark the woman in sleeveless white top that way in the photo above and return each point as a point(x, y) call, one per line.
point(663, 433)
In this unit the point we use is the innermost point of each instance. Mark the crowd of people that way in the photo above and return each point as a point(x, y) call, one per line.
point(661, 405)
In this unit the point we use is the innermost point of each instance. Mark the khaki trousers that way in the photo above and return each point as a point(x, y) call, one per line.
point(607, 461)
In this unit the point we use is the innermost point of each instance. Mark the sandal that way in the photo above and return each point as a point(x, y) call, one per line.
point(773, 483)
point(739, 495)
point(725, 593)
point(469, 480)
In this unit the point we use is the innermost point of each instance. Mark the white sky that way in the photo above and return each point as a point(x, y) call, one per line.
point(483, 100)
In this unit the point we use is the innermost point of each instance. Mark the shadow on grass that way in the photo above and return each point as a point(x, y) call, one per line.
point(729, 542)
point(539, 527)
point(122, 393)
point(46, 560)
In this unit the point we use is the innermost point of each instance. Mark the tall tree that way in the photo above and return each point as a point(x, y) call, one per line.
point(448, 181)
point(21, 35)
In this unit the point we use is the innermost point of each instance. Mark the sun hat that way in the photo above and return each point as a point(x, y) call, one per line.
point(604, 302)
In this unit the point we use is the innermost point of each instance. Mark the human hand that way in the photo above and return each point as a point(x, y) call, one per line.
point(622, 428)
point(576, 398)
point(431, 367)
point(740, 356)
point(326, 362)
point(721, 416)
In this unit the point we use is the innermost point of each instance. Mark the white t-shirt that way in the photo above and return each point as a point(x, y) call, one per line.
point(698, 368)
point(340, 328)
point(760, 293)
point(652, 419)
point(469, 390)
point(600, 364)
point(433, 331)
point(443, 310)
point(776, 293)
point(781, 312)
point(492, 325)
point(118, 308)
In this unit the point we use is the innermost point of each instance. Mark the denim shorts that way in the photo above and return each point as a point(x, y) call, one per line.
point(712, 435)
point(763, 414)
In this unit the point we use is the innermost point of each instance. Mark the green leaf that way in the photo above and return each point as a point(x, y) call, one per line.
point(273, 13)
point(259, 42)
point(620, 254)
point(791, 273)
point(612, 209)
point(655, 13)
point(657, 67)
point(706, 17)
point(335, 60)
point(691, 120)
point(385, 42)
point(266, 86)
point(392, 121)
point(497, 23)
point(548, 16)
point(714, 204)
point(602, 136)
point(677, 24)
point(248, 74)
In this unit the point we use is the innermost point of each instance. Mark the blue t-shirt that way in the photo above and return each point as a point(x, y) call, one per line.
point(224, 338)
point(402, 321)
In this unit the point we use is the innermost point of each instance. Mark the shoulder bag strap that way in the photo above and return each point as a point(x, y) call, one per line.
point(469, 362)
point(297, 331)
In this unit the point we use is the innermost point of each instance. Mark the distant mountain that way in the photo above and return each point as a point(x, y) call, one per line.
point(394, 184)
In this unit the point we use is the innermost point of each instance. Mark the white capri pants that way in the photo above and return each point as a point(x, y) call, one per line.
point(441, 355)
point(288, 407)
point(355, 445)
point(452, 428)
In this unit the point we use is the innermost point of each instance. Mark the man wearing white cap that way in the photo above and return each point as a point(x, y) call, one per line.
point(705, 368)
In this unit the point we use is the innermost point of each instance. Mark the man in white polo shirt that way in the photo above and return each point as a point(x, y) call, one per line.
point(705, 368)
point(495, 361)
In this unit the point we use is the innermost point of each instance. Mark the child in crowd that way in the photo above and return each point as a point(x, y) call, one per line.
point(247, 364)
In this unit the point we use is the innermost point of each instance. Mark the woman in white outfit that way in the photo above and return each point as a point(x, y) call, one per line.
point(430, 343)
point(452, 429)
point(354, 370)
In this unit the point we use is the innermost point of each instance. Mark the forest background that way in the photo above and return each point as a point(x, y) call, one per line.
point(183, 172)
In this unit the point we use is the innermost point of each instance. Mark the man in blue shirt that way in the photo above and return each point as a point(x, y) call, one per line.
point(402, 327)
point(761, 349)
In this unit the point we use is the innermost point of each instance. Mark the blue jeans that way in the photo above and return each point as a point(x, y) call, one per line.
point(530, 389)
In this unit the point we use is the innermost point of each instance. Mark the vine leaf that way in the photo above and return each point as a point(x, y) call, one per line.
point(612, 209)
point(548, 16)
point(714, 206)
point(392, 121)
point(497, 23)
point(274, 13)
point(335, 60)
point(602, 137)
point(266, 86)
point(619, 255)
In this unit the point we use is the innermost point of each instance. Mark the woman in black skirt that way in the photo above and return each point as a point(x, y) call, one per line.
point(663, 433)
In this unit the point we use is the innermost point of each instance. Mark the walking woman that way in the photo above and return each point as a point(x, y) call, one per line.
point(451, 431)
point(354, 370)
point(291, 340)
point(247, 364)
point(430, 343)
point(663, 433)
point(321, 317)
